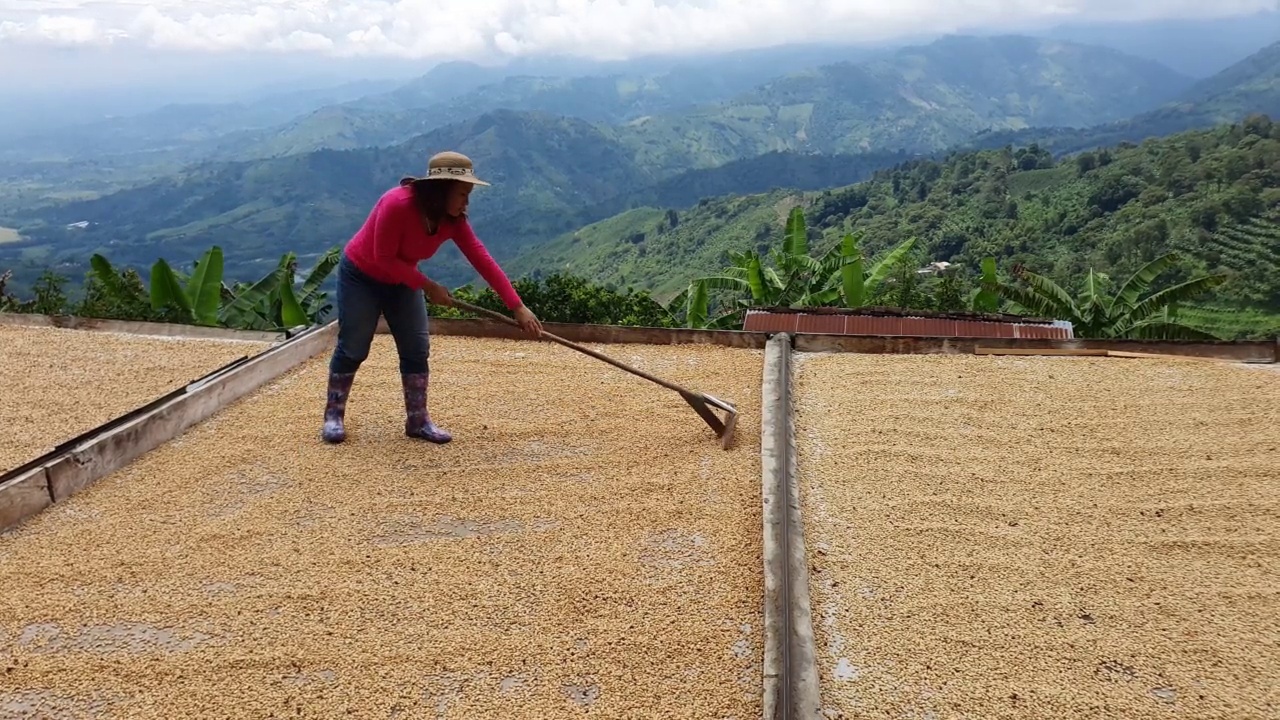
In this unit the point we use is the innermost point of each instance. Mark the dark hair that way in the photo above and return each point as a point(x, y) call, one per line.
point(429, 196)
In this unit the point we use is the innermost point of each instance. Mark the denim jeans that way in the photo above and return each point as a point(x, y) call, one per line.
point(361, 300)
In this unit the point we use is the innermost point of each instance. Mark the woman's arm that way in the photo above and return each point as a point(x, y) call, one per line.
point(391, 219)
point(479, 257)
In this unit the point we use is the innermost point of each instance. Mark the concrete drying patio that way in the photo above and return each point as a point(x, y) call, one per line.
point(1013, 537)
point(58, 383)
point(583, 546)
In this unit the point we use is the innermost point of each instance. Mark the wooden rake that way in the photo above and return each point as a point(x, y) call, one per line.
point(700, 402)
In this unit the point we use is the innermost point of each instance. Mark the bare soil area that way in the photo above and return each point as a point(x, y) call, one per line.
point(56, 383)
point(584, 547)
point(1064, 538)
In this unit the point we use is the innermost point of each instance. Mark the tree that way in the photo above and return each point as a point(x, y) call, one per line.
point(565, 298)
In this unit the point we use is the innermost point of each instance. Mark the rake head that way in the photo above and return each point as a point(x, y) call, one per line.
point(723, 429)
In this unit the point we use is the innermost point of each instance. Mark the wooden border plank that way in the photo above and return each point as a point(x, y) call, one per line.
point(130, 327)
point(24, 496)
point(100, 455)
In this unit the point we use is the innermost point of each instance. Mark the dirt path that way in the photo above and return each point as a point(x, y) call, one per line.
point(1054, 538)
point(583, 547)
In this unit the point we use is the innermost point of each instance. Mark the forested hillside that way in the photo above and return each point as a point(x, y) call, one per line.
point(921, 99)
point(1213, 196)
point(1249, 86)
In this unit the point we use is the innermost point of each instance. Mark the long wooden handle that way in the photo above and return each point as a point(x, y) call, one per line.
point(572, 345)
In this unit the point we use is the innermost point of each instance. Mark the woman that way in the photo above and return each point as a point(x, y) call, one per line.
point(378, 275)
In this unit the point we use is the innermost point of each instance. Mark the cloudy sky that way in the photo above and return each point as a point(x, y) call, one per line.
point(477, 29)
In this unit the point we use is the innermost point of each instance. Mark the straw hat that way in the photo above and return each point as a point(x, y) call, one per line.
point(452, 166)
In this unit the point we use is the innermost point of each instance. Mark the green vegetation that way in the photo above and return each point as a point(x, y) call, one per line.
point(309, 184)
point(795, 278)
point(198, 298)
point(683, 196)
point(1126, 314)
point(567, 298)
point(661, 250)
point(273, 303)
point(1211, 196)
point(840, 277)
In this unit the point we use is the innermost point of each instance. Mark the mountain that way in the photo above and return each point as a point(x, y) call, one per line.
point(309, 202)
point(740, 69)
point(1249, 86)
point(1213, 196)
point(556, 173)
point(598, 99)
point(1198, 47)
point(762, 173)
point(550, 175)
point(363, 114)
point(920, 99)
point(173, 125)
point(458, 91)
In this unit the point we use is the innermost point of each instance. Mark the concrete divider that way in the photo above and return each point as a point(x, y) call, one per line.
point(76, 465)
point(22, 496)
point(790, 658)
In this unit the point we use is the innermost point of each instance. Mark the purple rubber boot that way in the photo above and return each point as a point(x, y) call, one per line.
point(335, 409)
point(417, 422)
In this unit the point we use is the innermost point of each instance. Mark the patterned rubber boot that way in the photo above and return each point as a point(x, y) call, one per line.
point(417, 423)
point(335, 408)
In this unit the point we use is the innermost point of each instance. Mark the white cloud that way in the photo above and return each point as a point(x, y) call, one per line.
point(480, 29)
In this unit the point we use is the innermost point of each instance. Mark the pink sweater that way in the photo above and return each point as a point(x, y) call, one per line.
point(393, 240)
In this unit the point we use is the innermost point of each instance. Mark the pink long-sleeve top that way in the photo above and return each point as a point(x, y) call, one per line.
point(393, 240)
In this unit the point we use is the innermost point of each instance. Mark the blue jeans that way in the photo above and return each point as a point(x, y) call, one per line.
point(361, 300)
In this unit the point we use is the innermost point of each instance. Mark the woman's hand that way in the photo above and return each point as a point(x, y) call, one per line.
point(529, 322)
point(438, 294)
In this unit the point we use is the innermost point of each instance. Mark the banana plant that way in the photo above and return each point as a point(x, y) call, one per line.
point(986, 298)
point(271, 303)
point(795, 280)
point(193, 299)
point(1126, 314)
